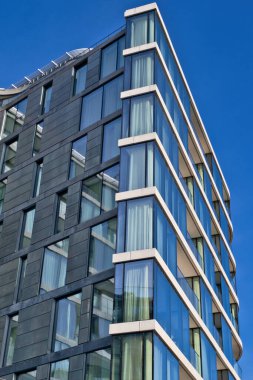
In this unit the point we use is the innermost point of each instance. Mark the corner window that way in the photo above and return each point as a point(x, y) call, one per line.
point(102, 246)
point(54, 266)
point(98, 365)
point(14, 118)
point(112, 57)
point(77, 160)
point(37, 138)
point(60, 370)
point(98, 193)
point(2, 194)
point(142, 29)
point(101, 102)
point(80, 79)
point(142, 70)
point(9, 156)
point(61, 211)
point(27, 228)
point(46, 98)
point(112, 134)
point(36, 190)
point(28, 375)
point(67, 322)
point(102, 309)
point(11, 339)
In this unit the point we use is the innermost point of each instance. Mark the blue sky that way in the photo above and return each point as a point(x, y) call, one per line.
point(213, 40)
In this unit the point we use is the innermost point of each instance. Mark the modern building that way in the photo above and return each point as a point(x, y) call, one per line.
point(115, 246)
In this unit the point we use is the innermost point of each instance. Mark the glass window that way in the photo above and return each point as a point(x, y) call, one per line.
point(54, 266)
point(142, 70)
point(112, 133)
point(37, 137)
point(9, 156)
point(138, 291)
point(46, 98)
point(112, 57)
point(102, 246)
point(77, 160)
point(91, 108)
point(60, 370)
point(39, 167)
point(61, 211)
point(111, 97)
point(80, 79)
point(98, 193)
point(166, 366)
point(139, 228)
point(132, 357)
point(11, 339)
point(142, 29)
point(98, 365)
point(2, 193)
point(102, 311)
point(141, 115)
point(28, 375)
point(27, 228)
point(101, 102)
point(23, 265)
point(67, 322)
point(15, 117)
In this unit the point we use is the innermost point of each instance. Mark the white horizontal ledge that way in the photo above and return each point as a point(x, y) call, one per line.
point(141, 9)
point(153, 325)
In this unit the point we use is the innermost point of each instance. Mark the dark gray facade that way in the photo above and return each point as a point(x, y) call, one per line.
point(21, 296)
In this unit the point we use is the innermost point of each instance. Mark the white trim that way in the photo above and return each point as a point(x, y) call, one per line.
point(154, 45)
point(133, 256)
point(153, 6)
point(153, 325)
point(153, 191)
point(153, 136)
point(185, 154)
point(138, 91)
point(141, 9)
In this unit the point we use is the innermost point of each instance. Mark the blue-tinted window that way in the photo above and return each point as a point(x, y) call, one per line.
point(101, 102)
point(102, 246)
point(54, 266)
point(80, 79)
point(98, 193)
point(77, 159)
point(111, 96)
point(67, 322)
point(46, 98)
point(102, 308)
point(112, 133)
point(112, 57)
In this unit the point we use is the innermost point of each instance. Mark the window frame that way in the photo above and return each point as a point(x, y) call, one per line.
point(44, 90)
point(22, 229)
point(4, 151)
point(55, 317)
point(71, 159)
point(59, 195)
point(74, 72)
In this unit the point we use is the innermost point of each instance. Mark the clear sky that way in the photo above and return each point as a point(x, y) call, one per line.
point(213, 40)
